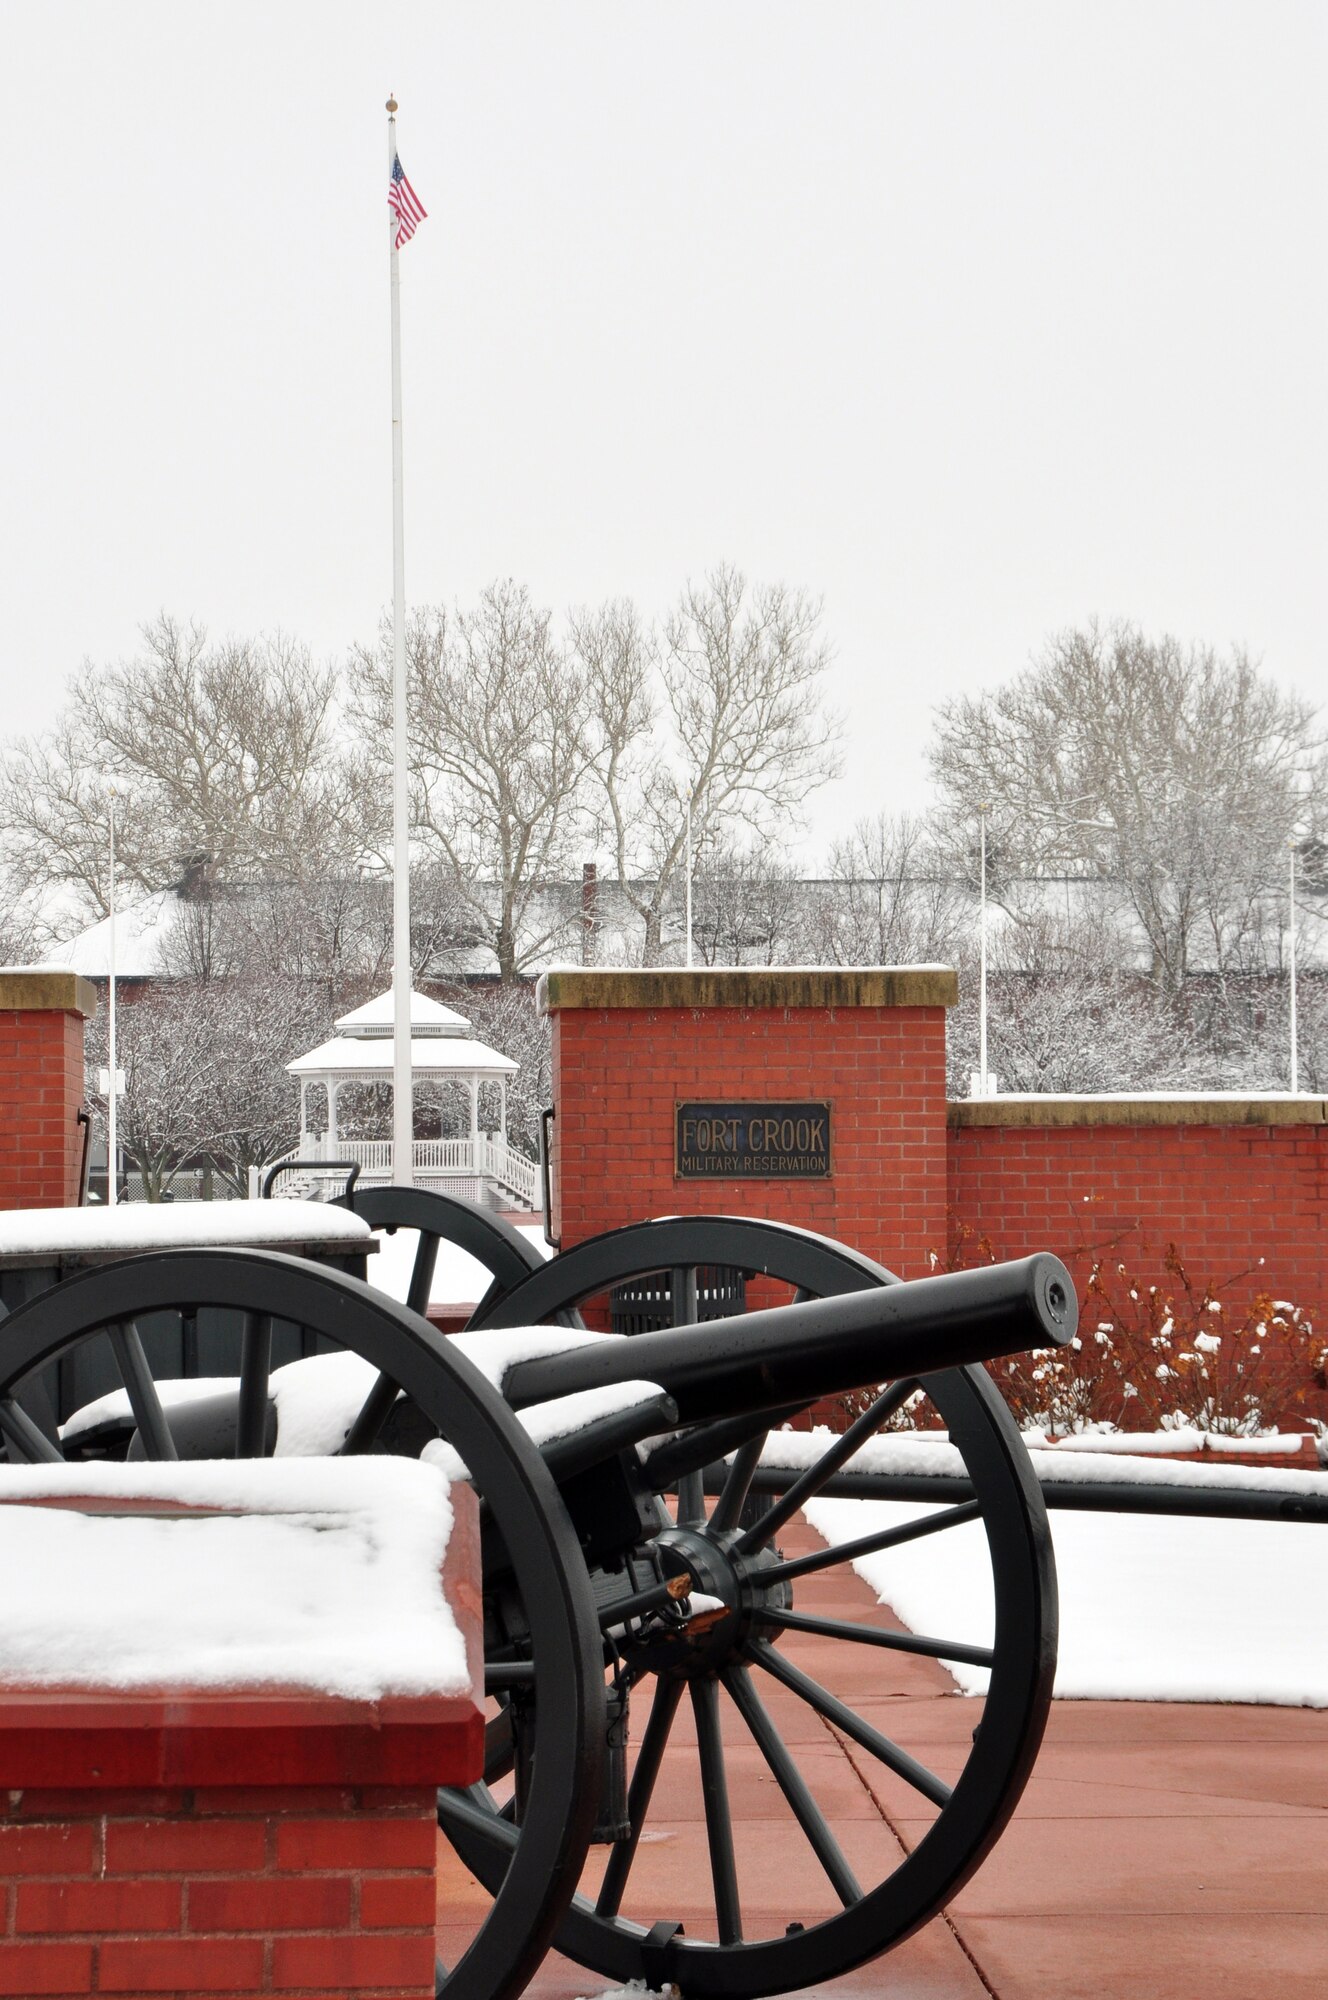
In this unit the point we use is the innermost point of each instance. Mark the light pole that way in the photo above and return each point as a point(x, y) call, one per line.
point(689, 875)
point(1291, 959)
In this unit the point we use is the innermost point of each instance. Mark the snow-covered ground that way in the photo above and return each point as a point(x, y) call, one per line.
point(1152, 1608)
point(328, 1579)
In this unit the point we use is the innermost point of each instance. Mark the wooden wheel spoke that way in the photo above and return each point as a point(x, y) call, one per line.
point(472, 1812)
point(870, 1545)
point(791, 1783)
point(875, 1635)
point(842, 1717)
point(23, 1437)
point(189, 1341)
point(421, 1273)
point(737, 1484)
point(499, 1747)
point(132, 1362)
point(663, 1709)
point(809, 1483)
point(369, 1419)
point(719, 1820)
point(255, 1374)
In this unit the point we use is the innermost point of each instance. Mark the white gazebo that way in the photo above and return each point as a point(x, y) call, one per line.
point(441, 1047)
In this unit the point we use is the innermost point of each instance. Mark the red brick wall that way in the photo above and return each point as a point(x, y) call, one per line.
point(1226, 1195)
point(619, 1072)
point(41, 1087)
point(317, 1891)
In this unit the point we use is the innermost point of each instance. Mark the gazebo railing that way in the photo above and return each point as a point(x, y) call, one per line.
point(485, 1158)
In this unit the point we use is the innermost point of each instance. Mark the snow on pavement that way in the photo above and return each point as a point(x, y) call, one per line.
point(1151, 1608)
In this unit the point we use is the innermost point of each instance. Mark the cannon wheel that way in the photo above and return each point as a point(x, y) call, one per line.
point(505, 1253)
point(519, 1496)
point(748, 1657)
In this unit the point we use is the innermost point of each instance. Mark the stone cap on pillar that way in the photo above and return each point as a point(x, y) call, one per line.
point(780, 986)
point(46, 989)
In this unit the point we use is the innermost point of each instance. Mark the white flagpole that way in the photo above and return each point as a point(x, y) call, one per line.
point(982, 945)
point(1291, 954)
point(403, 1119)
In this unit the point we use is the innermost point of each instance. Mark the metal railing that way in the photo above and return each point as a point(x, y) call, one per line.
point(463, 1167)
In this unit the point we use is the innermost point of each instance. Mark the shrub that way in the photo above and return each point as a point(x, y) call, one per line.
point(1150, 1357)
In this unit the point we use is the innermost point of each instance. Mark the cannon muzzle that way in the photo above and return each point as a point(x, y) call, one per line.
point(794, 1354)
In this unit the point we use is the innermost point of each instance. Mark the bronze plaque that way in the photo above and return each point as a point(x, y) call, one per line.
point(751, 1141)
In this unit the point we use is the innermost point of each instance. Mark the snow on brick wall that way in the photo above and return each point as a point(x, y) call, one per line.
point(260, 1573)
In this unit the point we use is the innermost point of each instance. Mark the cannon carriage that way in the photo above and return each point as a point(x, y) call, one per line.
point(648, 1592)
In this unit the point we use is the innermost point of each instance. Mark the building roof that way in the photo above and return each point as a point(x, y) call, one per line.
point(143, 936)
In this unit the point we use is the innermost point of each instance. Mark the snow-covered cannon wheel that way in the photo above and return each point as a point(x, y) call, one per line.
point(537, 1596)
point(741, 1675)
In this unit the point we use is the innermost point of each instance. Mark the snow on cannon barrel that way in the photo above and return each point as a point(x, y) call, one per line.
point(763, 1360)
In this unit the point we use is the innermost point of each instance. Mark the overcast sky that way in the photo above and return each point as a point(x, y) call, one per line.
point(976, 320)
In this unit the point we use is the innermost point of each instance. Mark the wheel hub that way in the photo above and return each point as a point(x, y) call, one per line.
point(718, 1569)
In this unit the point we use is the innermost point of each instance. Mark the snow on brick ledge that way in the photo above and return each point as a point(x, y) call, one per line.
point(152, 1225)
point(264, 1575)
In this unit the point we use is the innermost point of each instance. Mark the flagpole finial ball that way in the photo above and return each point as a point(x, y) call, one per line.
point(391, 106)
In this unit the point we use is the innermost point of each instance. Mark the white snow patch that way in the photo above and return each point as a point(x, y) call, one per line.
point(635, 1989)
point(1137, 1444)
point(1151, 1608)
point(318, 1398)
point(115, 1407)
point(152, 1225)
point(325, 1577)
point(914, 1452)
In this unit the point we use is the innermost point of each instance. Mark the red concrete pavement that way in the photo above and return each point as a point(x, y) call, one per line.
point(1161, 1851)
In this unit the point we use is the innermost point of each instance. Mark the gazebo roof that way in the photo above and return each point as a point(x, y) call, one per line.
point(371, 1059)
point(374, 1019)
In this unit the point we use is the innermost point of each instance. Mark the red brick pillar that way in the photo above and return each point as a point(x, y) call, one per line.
point(41, 1086)
point(322, 1890)
point(631, 1048)
point(179, 1841)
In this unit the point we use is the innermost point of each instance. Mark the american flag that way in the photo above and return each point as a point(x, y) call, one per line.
point(404, 203)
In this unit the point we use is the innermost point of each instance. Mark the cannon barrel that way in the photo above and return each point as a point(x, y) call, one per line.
point(793, 1354)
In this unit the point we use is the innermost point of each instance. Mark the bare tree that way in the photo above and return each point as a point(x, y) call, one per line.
point(205, 1075)
point(749, 908)
point(1174, 773)
point(1064, 1014)
point(892, 898)
point(255, 1023)
point(725, 702)
point(507, 1019)
point(500, 758)
point(22, 931)
point(227, 750)
point(166, 1049)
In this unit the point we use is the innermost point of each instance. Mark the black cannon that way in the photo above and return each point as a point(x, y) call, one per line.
point(638, 1499)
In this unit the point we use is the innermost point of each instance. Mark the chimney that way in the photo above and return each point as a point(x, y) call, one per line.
point(589, 914)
